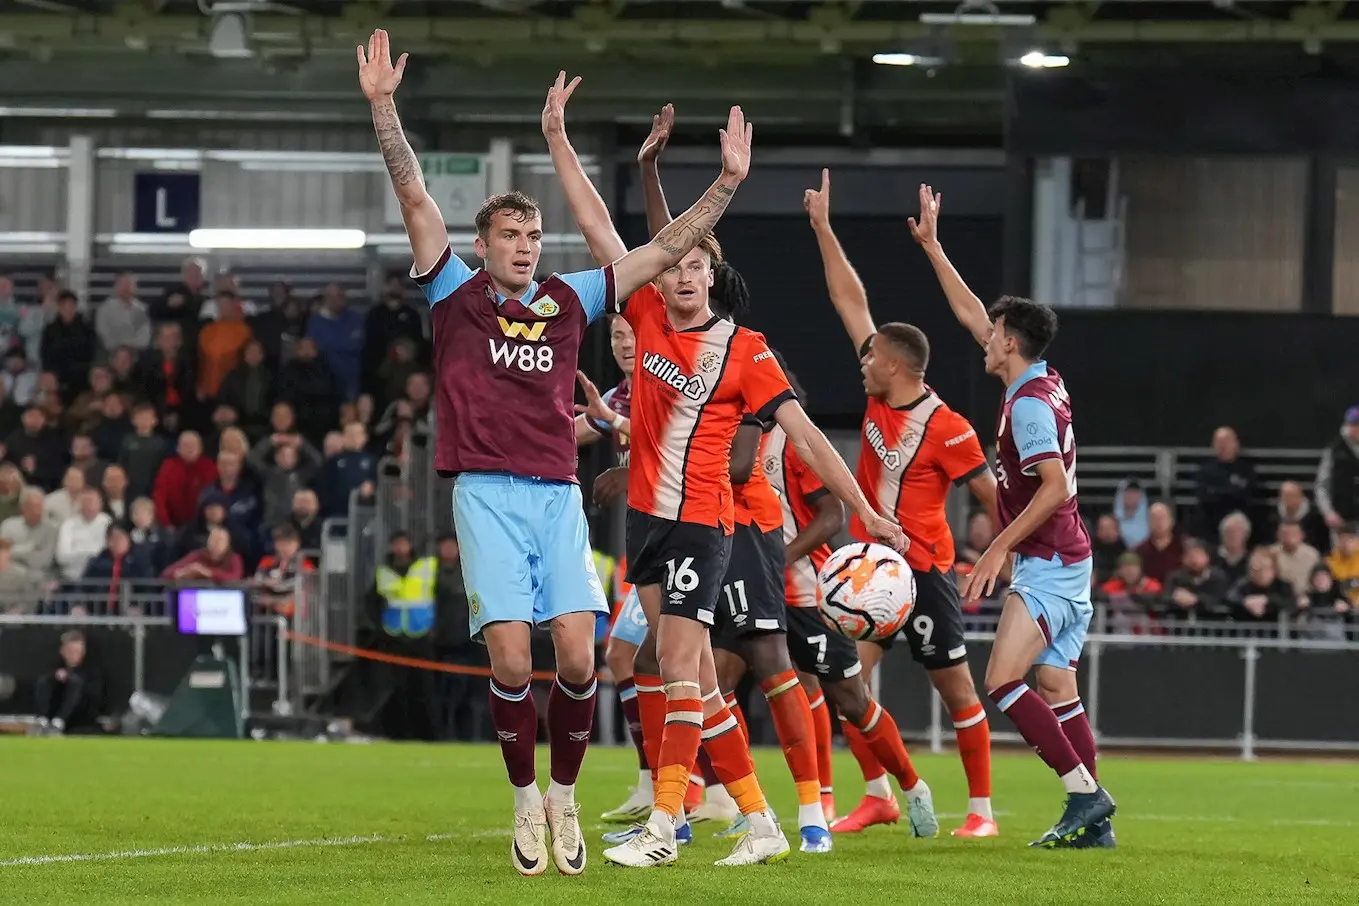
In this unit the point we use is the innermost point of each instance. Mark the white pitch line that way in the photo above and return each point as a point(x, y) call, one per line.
point(123, 855)
point(1230, 819)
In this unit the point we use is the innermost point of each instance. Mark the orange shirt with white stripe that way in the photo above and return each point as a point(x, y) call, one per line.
point(690, 389)
point(798, 489)
point(755, 502)
point(908, 457)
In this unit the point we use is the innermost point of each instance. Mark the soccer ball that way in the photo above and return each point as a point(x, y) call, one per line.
point(867, 591)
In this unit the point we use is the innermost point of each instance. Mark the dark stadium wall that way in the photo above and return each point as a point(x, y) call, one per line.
point(1138, 377)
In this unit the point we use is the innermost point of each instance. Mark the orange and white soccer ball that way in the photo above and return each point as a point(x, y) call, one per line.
point(867, 591)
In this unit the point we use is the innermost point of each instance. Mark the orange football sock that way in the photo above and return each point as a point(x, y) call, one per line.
point(735, 709)
point(679, 744)
point(974, 748)
point(651, 713)
point(793, 723)
point(730, 757)
point(882, 737)
point(868, 762)
point(821, 726)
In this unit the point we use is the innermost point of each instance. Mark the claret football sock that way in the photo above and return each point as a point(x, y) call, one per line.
point(570, 719)
point(1041, 730)
point(1076, 725)
point(515, 718)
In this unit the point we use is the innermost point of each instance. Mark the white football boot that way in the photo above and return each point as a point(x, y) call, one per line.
point(655, 845)
point(528, 846)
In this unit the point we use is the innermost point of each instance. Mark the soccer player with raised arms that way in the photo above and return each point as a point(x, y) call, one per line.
point(913, 449)
point(506, 350)
point(698, 373)
point(1047, 611)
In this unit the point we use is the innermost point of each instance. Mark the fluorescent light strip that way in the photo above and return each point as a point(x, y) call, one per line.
point(277, 239)
point(1036, 59)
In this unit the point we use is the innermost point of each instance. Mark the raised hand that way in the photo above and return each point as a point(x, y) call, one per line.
point(817, 202)
point(661, 124)
point(554, 110)
point(926, 230)
point(736, 139)
point(377, 76)
point(595, 407)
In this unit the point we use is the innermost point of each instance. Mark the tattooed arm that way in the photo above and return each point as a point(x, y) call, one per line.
point(679, 236)
point(424, 223)
point(644, 264)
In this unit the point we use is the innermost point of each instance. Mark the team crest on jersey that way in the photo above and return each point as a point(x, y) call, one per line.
point(546, 307)
point(770, 464)
point(474, 604)
point(708, 362)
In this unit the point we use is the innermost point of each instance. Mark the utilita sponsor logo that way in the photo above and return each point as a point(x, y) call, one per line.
point(878, 441)
point(668, 372)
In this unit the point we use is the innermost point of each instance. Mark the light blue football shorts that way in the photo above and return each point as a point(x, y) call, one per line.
point(630, 624)
point(1058, 599)
point(526, 554)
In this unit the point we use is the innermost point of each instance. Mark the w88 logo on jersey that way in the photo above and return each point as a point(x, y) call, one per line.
point(522, 356)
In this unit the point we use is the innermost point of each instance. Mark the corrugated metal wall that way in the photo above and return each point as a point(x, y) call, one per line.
point(195, 134)
point(1347, 241)
point(1214, 233)
point(33, 199)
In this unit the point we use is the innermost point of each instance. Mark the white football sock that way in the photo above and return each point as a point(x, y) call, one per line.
point(718, 796)
point(920, 789)
point(528, 798)
point(880, 787)
point(1078, 780)
point(981, 807)
point(811, 815)
point(561, 793)
point(644, 782)
point(762, 824)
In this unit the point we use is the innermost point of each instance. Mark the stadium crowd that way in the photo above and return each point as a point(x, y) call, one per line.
point(184, 437)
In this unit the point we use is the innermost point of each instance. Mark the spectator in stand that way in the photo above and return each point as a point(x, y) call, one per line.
point(19, 379)
point(307, 385)
point(1163, 550)
point(153, 543)
point(122, 319)
point(37, 449)
point(1197, 590)
point(10, 415)
point(72, 696)
point(249, 390)
point(415, 406)
point(220, 344)
point(238, 492)
point(181, 481)
point(276, 576)
point(69, 345)
point(1344, 561)
point(392, 319)
point(1233, 549)
point(306, 518)
point(401, 608)
point(49, 400)
point(289, 326)
point(462, 693)
point(11, 490)
point(1294, 558)
point(223, 420)
point(82, 535)
point(123, 367)
point(1131, 596)
point(86, 459)
point(282, 429)
point(1130, 509)
point(20, 325)
point(182, 302)
point(142, 452)
point(84, 409)
point(167, 375)
point(1337, 485)
point(117, 503)
point(111, 427)
point(338, 332)
point(33, 538)
point(395, 371)
point(332, 444)
point(1106, 547)
point(1324, 608)
point(212, 513)
point(980, 534)
point(286, 464)
point(118, 562)
point(1226, 483)
point(63, 502)
point(20, 587)
point(352, 469)
point(1261, 596)
point(214, 563)
point(233, 440)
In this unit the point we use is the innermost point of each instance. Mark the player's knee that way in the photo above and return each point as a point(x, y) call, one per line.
point(768, 655)
point(512, 668)
point(575, 664)
point(956, 687)
point(850, 697)
point(619, 656)
point(1055, 685)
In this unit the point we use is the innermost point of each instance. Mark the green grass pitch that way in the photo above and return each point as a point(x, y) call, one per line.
point(145, 821)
